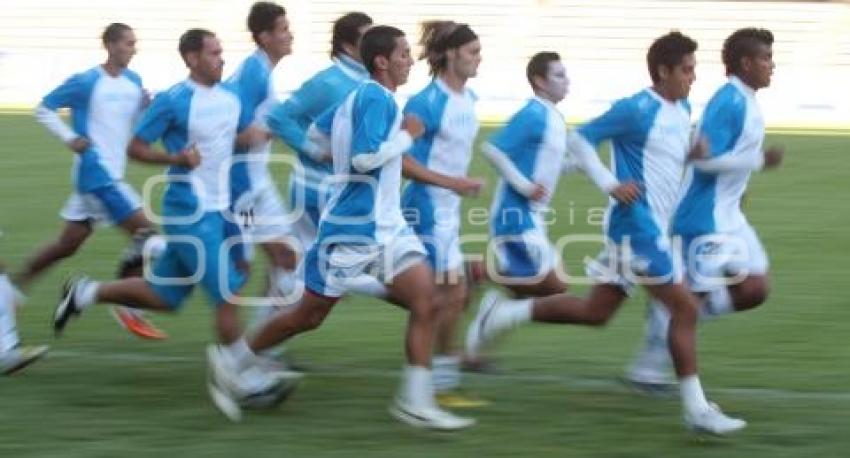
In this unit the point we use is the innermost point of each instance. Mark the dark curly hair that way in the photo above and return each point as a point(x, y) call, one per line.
point(743, 43)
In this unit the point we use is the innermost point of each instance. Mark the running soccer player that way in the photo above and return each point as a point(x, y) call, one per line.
point(437, 166)
point(105, 101)
point(256, 201)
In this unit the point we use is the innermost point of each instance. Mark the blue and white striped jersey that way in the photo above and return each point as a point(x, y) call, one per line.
point(733, 125)
point(291, 119)
point(364, 204)
point(207, 117)
point(445, 147)
point(103, 109)
point(650, 140)
point(534, 140)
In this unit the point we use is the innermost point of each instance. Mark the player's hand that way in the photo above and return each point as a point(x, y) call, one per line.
point(79, 144)
point(539, 193)
point(699, 150)
point(773, 157)
point(413, 126)
point(468, 187)
point(627, 192)
point(189, 157)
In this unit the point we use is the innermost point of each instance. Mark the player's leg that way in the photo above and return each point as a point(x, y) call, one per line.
point(73, 235)
point(415, 403)
point(13, 356)
point(755, 288)
point(143, 238)
point(273, 233)
point(121, 205)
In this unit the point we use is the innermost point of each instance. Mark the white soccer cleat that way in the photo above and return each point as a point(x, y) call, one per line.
point(222, 383)
point(712, 421)
point(18, 358)
point(224, 402)
point(480, 330)
point(428, 417)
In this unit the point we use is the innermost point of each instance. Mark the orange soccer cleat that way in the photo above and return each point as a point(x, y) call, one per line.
point(136, 323)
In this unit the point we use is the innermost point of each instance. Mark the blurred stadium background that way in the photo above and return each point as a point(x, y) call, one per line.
point(783, 367)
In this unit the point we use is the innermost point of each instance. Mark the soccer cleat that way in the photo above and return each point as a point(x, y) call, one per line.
point(712, 421)
point(20, 357)
point(428, 417)
point(459, 400)
point(136, 323)
point(67, 306)
point(479, 332)
point(224, 402)
point(221, 383)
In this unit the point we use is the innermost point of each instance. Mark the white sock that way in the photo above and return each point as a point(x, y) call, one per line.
point(718, 302)
point(8, 329)
point(446, 371)
point(417, 386)
point(511, 313)
point(693, 398)
point(86, 294)
point(654, 358)
point(240, 353)
point(657, 325)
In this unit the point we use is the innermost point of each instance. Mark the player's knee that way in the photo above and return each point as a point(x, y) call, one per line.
point(753, 296)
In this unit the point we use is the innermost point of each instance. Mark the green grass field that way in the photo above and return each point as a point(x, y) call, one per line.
point(104, 393)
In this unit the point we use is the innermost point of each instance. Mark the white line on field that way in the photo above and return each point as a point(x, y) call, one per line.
point(577, 382)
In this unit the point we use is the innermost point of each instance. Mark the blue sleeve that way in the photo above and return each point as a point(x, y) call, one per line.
point(418, 106)
point(283, 120)
point(69, 94)
point(523, 129)
point(373, 119)
point(723, 121)
point(252, 89)
point(325, 121)
point(620, 120)
point(156, 119)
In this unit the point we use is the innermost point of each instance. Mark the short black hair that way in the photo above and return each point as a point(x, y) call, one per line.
point(539, 65)
point(743, 43)
point(262, 17)
point(192, 40)
point(378, 41)
point(668, 50)
point(346, 29)
point(114, 32)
